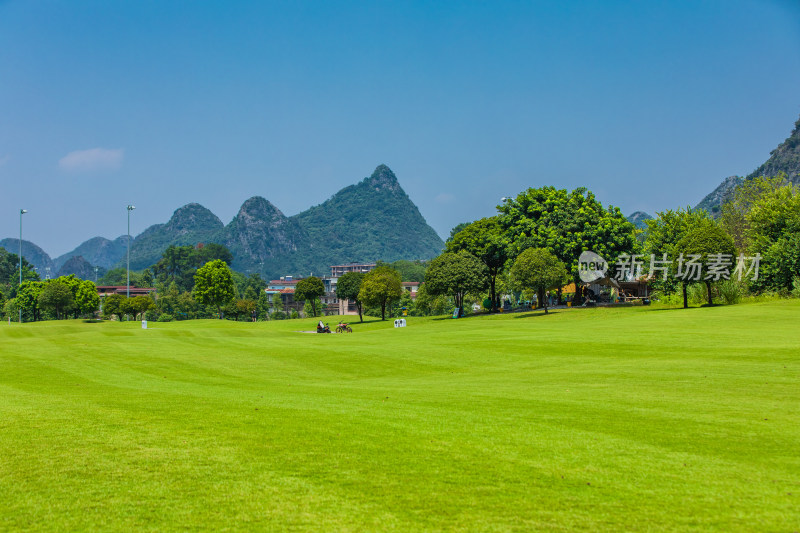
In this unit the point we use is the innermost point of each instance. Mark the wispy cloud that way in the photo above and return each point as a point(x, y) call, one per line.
point(444, 198)
point(92, 159)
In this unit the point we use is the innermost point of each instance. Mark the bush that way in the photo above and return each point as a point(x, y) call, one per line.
point(151, 315)
point(166, 317)
point(295, 314)
point(278, 315)
point(730, 291)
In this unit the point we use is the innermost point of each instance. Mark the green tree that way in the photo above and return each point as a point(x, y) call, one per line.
point(457, 228)
point(137, 306)
point(539, 270)
point(456, 274)
point(27, 299)
point(309, 289)
point(774, 232)
point(213, 285)
point(705, 240)
point(409, 270)
point(86, 298)
point(180, 263)
point(380, 287)
point(566, 223)
point(57, 298)
point(347, 288)
point(486, 240)
point(9, 272)
point(112, 305)
point(664, 232)
point(734, 218)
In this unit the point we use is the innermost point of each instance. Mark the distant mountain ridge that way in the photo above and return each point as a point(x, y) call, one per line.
point(785, 158)
point(639, 219)
point(371, 220)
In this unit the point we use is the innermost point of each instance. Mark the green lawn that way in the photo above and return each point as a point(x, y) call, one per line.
point(597, 419)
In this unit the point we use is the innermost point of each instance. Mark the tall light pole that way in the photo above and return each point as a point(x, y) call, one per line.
point(21, 212)
point(128, 291)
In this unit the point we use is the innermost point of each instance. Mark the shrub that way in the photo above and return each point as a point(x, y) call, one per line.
point(151, 315)
point(278, 315)
point(730, 291)
point(166, 317)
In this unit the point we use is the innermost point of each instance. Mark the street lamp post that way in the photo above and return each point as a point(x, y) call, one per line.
point(128, 273)
point(21, 212)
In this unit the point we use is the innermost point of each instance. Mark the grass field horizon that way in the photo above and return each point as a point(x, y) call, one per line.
point(592, 419)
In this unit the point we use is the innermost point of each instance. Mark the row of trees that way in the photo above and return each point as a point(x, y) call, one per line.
point(63, 297)
point(535, 241)
point(533, 244)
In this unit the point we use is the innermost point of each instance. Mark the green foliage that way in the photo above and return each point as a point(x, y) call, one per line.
point(566, 223)
point(705, 239)
point(371, 220)
point(486, 240)
point(539, 270)
point(309, 289)
point(409, 270)
point(774, 232)
point(27, 299)
point(730, 291)
point(11, 309)
point(136, 306)
point(735, 213)
point(313, 307)
point(347, 288)
point(9, 272)
point(663, 234)
point(56, 297)
point(179, 264)
point(380, 287)
point(456, 229)
point(188, 226)
point(214, 285)
point(112, 306)
point(118, 277)
point(165, 317)
point(87, 300)
point(456, 274)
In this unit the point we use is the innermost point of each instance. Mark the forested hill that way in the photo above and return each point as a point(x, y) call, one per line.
point(374, 219)
point(369, 221)
point(783, 159)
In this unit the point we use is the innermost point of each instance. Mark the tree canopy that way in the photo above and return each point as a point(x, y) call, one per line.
point(566, 223)
point(456, 274)
point(347, 288)
point(213, 285)
point(539, 270)
point(309, 289)
point(380, 286)
point(486, 240)
point(708, 244)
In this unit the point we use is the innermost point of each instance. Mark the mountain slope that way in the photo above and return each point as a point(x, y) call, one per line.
point(785, 158)
point(371, 220)
point(81, 268)
point(97, 251)
point(638, 219)
point(374, 219)
point(40, 260)
point(260, 233)
point(189, 224)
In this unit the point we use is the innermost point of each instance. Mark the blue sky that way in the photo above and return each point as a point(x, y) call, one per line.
point(649, 104)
